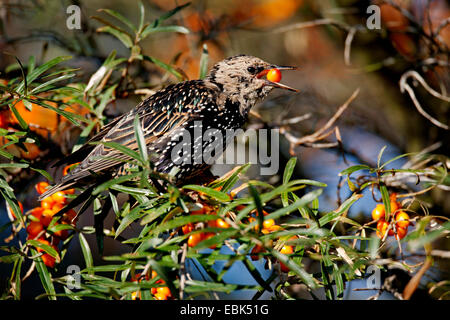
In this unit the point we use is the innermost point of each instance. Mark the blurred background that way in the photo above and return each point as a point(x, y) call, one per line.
point(336, 46)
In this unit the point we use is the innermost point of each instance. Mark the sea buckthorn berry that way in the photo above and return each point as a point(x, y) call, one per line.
point(220, 223)
point(164, 291)
point(41, 187)
point(207, 236)
point(159, 296)
point(285, 250)
point(275, 228)
point(401, 233)
point(59, 197)
point(256, 249)
point(378, 212)
point(56, 207)
point(187, 228)
point(274, 75)
point(11, 213)
point(269, 223)
point(62, 234)
point(402, 219)
point(47, 216)
point(70, 217)
point(34, 228)
point(194, 239)
point(69, 191)
point(37, 212)
point(395, 206)
point(382, 227)
point(47, 203)
point(48, 260)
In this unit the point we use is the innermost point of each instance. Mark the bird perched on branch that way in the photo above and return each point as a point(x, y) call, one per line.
point(220, 102)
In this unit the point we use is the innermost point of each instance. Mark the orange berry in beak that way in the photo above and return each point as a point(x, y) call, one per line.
point(274, 75)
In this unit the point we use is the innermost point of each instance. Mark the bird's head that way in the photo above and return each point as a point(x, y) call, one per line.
point(242, 79)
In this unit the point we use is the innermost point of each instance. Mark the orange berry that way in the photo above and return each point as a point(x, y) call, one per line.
point(62, 234)
point(395, 206)
point(222, 224)
point(47, 216)
point(56, 207)
point(287, 250)
point(378, 212)
point(164, 291)
point(159, 296)
point(70, 217)
point(269, 223)
point(207, 236)
point(256, 249)
point(12, 213)
point(49, 261)
point(37, 212)
point(382, 226)
point(274, 75)
point(194, 239)
point(47, 203)
point(212, 224)
point(69, 191)
point(402, 219)
point(59, 197)
point(34, 228)
point(41, 187)
point(198, 212)
point(187, 228)
point(401, 233)
point(275, 228)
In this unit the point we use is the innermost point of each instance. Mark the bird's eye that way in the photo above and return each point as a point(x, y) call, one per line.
point(252, 70)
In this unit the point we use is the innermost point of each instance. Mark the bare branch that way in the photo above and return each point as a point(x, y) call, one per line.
point(405, 86)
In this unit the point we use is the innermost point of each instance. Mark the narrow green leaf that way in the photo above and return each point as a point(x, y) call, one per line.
point(386, 200)
point(119, 17)
point(352, 169)
point(204, 62)
point(341, 210)
point(86, 252)
point(380, 154)
point(123, 37)
point(218, 195)
point(139, 134)
point(45, 276)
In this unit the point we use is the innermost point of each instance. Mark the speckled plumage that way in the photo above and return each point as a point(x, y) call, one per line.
point(221, 101)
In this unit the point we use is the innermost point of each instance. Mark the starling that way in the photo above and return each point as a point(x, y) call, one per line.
point(220, 102)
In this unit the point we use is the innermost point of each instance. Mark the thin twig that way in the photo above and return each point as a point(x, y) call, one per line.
point(405, 86)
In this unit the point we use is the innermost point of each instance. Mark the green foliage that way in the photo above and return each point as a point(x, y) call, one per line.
point(342, 247)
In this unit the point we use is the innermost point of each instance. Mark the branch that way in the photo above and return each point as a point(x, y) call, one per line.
point(320, 134)
point(405, 86)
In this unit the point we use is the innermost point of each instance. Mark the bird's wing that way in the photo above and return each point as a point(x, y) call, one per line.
point(84, 150)
point(159, 115)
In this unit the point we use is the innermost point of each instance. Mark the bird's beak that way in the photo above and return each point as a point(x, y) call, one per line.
point(276, 84)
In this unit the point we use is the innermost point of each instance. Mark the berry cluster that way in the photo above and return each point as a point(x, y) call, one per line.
point(43, 217)
point(398, 226)
point(159, 293)
point(269, 226)
point(196, 238)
